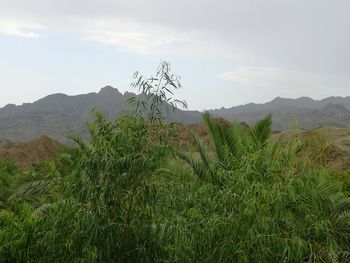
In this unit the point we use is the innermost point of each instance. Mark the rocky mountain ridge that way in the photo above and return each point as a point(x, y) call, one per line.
point(303, 112)
point(59, 115)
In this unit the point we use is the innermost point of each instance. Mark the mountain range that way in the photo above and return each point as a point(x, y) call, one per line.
point(58, 115)
point(303, 112)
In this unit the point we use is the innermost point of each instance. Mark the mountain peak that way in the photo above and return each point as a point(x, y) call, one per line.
point(109, 91)
point(278, 100)
point(10, 106)
point(281, 99)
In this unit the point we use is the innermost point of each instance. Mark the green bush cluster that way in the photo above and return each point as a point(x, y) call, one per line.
point(130, 196)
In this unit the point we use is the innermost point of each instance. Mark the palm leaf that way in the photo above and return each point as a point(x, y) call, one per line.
point(199, 170)
point(202, 150)
point(216, 134)
point(231, 140)
point(260, 132)
point(32, 190)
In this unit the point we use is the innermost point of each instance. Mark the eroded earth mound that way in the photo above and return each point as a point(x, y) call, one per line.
point(26, 154)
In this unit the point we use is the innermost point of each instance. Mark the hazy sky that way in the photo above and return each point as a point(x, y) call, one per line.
point(228, 52)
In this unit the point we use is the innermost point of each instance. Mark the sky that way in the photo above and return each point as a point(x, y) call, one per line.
point(227, 52)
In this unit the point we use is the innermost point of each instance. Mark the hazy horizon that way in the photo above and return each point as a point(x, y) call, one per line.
point(228, 53)
point(189, 106)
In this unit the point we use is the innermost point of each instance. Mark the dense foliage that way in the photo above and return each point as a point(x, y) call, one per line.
point(131, 195)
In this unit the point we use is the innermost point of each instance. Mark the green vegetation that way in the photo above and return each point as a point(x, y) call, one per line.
point(129, 195)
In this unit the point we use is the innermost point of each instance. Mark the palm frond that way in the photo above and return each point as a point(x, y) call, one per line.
point(215, 132)
point(202, 150)
point(340, 223)
point(32, 190)
point(231, 140)
point(78, 140)
point(199, 170)
point(260, 132)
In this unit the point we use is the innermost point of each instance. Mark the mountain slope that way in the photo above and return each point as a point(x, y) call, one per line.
point(282, 103)
point(303, 112)
point(59, 115)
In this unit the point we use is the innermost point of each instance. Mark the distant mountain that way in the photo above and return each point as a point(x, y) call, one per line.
point(302, 112)
point(58, 115)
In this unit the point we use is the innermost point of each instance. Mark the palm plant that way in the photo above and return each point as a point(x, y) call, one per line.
point(232, 146)
point(23, 197)
point(28, 186)
point(8, 173)
point(270, 205)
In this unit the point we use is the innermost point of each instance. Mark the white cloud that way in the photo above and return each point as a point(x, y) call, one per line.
point(301, 34)
point(123, 33)
point(20, 29)
point(127, 35)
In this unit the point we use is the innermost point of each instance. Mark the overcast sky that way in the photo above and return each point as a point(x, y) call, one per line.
point(228, 52)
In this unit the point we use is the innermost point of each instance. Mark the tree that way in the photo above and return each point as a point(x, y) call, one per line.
point(157, 93)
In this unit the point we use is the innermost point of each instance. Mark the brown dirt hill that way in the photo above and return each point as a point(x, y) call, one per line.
point(329, 146)
point(326, 147)
point(26, 154)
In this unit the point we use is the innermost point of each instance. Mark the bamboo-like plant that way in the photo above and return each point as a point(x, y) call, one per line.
point(157, 93)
